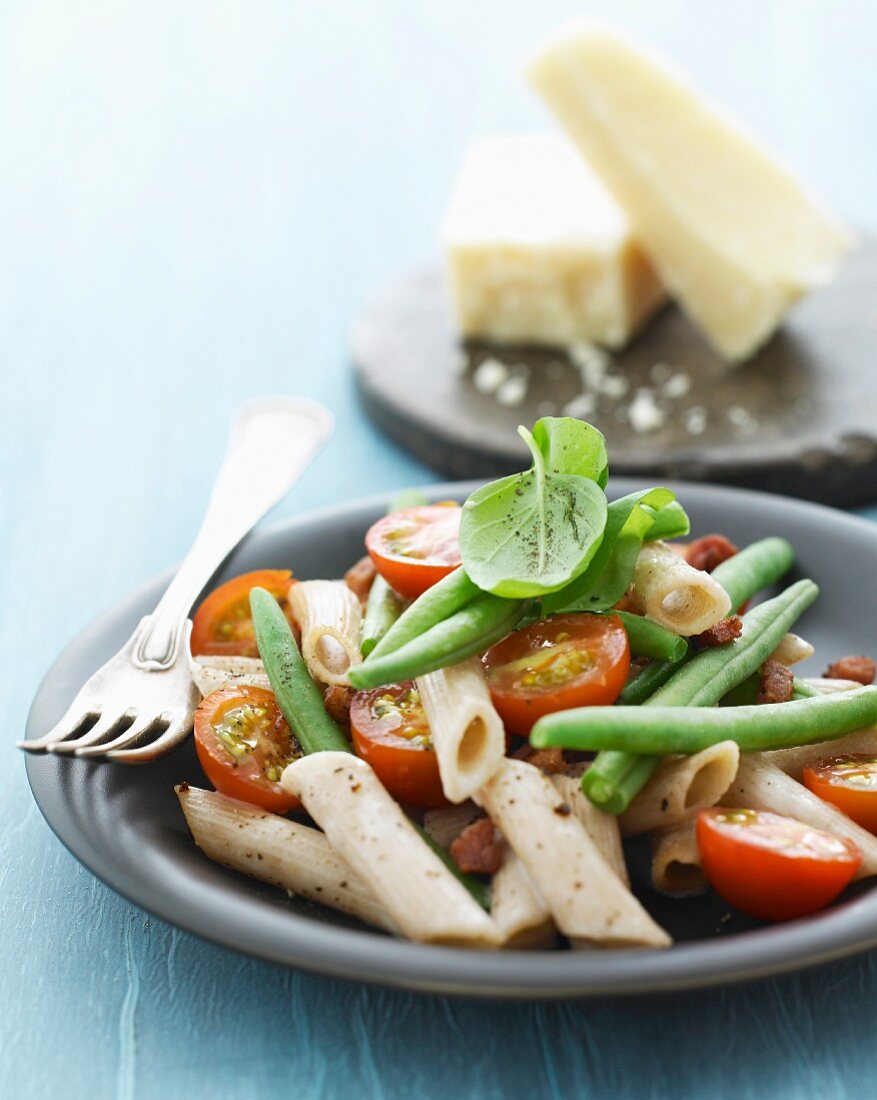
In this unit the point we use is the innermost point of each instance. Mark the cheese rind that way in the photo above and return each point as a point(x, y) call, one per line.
point(538, 251)
point(733, 236)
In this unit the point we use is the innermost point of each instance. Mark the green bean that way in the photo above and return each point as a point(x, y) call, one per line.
point(474, 628)
point(301, 704)
point(382, 609)
point(712, 672)
point(475, 886)
point(437, 604)
point(647, 682)
point(298, 697)
point(683, 729)
point(702, 680)
point(649, 639)
point(756, 566)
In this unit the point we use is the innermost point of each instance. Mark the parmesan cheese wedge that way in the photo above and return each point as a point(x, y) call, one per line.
point(733, 237)
point(538, 251)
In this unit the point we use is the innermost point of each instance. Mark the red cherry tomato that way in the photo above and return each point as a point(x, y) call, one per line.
point(390, 731)
point(848, 782)
point(414, 548)
point(568, 661)
point(243, 745)
point(223, 626)
point(770, 866)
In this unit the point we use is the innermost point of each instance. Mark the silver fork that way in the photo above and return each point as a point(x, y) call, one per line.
point(139, 705)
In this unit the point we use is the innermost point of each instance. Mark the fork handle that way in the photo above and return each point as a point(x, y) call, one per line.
point(272, 442)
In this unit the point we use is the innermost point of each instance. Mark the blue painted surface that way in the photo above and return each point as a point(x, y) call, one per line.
point(194, 200)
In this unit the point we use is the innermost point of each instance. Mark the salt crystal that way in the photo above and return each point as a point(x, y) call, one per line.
point(613, 385)
point(489, 375)
point(742, 419)
point(591, 361)
point(512, 392)
point(660, 372)
point(645, 415)
point(695, 420)
point(676, 386)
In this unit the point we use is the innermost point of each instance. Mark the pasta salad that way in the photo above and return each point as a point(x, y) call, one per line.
point(452, 742)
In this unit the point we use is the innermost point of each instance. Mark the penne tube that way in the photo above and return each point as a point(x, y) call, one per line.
point(214, 673)
point(589, 903)
point(791, 650)
point(467, 734)
point(676, 867)
point(330, 617)
point(674, 594)
point(370, 832)
point(517, 908)
point(794, 761)
point(601, 827)
point(681, 785)
point(445, 824)
point(829, 686)
point(298, 859)
point(762, 786)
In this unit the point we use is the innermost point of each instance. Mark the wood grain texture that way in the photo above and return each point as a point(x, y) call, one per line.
point(192, 207)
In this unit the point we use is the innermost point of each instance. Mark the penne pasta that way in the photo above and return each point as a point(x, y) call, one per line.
point(275, 850)
point(214, 673)
point(588, 901)
point(330, 617)
point(828, 686)
point(674, 594)
point(794, 761)
point(467, 734)
point(370, 831)
point(676, 867)
point(791, 650)
point(762, 786)
point(517, 908)
point(602, 828)
point(444, 825)
point(681, 785)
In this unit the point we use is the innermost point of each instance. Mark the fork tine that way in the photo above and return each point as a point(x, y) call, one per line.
point(73, 718)
point(98, 734)
point(127, 736)
point(176, 733)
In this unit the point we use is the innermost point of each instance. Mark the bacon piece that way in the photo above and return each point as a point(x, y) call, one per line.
point(360, 577)
point(724, 631)
point(861, 669)
point(551, 761)
point(478, 849)
point(708, 552)
point(777, 683)
point(337, 700)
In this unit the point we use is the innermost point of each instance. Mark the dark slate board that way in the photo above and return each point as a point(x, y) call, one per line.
point(800, 418)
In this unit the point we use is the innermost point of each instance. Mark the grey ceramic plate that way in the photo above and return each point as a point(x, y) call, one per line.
point(125, 826)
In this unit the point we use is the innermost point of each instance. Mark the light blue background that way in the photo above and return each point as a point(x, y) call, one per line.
point(194, 200)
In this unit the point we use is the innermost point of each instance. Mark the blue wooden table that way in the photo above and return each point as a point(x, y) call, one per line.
point(194, 200)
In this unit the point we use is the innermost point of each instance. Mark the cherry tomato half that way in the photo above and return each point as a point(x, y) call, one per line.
point(414, 548)
point(243, 745)
point(223, 626)
point(848, 782)
point(390, 731)
point(770, 866)
point(568, 661)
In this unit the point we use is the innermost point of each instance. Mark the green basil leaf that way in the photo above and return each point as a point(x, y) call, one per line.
point(629, 521)
point(534, 532)
point(571, 446)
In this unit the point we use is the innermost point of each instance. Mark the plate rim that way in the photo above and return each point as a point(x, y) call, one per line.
point(374, 958)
